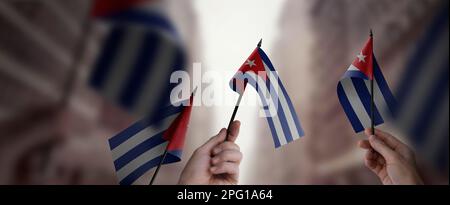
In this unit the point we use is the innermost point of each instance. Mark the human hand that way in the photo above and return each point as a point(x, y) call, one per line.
point(216, 162)
point(391, 160)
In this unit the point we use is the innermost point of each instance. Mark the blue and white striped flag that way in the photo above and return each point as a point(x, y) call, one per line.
point(423, 94)
point(279, 111)
point(354, 94)
point(133, 70)
point(141, 146)
point(138, 56)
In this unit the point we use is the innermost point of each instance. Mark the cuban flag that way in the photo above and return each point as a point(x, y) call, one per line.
point(141, 146)
point(423, 94)
point(133, 69)
point(353, 91)
point(138, 55)
point(259, 72)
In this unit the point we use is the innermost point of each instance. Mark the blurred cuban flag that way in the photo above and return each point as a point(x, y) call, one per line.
point(133, 69)
point(423, 93)
point(138, 55)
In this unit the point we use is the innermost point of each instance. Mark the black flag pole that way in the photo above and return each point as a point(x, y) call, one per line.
point(372, 95)
point(165, 152)
point(236, 107)
point(260, 43)
point(159, 166)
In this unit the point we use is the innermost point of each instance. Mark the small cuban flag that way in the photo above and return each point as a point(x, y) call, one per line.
point(354, 91)
point(141, 146)
point(279, 111)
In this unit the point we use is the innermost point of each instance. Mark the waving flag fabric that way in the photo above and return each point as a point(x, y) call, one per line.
point(133, 70)
point(423, 94)
point(141, 146)
point(280, 113)
point(138, 56)
point(354, 94)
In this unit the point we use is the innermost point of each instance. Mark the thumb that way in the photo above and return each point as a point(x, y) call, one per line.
point(234, 131)
point(214, 141)
point(384, 150)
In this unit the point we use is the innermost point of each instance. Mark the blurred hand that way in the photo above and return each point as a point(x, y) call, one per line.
point(391, 160)
point(216, 162)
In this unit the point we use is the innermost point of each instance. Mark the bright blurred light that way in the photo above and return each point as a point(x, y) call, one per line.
point(230, 30)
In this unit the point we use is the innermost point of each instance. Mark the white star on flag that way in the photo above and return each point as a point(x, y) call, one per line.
point(250, 63)
point(361, 57)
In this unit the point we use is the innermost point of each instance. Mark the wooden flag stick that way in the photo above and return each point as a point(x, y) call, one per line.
point(372, 97)
point(236, 107)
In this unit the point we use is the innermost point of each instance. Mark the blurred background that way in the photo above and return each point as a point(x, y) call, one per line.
point(54, 127)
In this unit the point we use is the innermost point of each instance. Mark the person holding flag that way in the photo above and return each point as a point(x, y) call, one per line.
point(367, 101)
point(216, 162)
point(390, 159)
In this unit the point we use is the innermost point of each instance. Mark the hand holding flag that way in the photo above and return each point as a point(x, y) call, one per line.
point(216, 162)
point(390, 159)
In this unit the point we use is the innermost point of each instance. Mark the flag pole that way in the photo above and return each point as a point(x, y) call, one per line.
point(159, 166)
point(372, 96)
point(236, 107)
point(165, 151)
